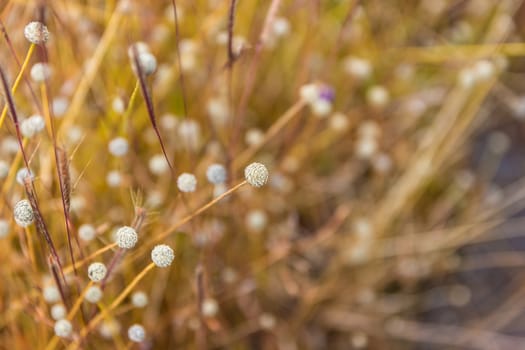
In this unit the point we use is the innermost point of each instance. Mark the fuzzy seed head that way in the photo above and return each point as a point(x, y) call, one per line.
point(58, 312)
point(40, 72)
point(139, 299)
point(93, 294)
point(148, 63)
point(87, 232)
point(187, 182)
point(4, 228)
point(127, 237)
point(162, 255)
point(23, 213)
point(216, 174)
point(63, 328)
point(36, 33)
point(59, 106)
point(97, 271)
point(113, 178)
point(256, 174)
point(136, 333)
point(118, 146)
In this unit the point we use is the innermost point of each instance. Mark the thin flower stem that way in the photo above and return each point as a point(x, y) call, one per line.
point(17, 80)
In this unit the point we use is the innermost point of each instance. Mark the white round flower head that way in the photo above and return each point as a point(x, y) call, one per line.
point(162, 255)
point(309, 92)
point(377, 96)
point(190, 133)
point(118, 105)
point(113, 178)
point(23, 213)
point(127, 237)
point(267, 321)
point(97, 271)
point(148, 63)
point(87, 232)
point(63, 328)
point(321, 107)
point(136, 333)
point(139, 299)
point(254, 137)
point(218, 110)
point(4, 169)
point(59, 106)
point(93, 294)
point(109, 328)
point(256, 174)
point(216, 174)
point(357, 67)
point(256, 220)
point(10, 145)
point(366, 147)
point(281, 26)
point(158, 164)
point(210, 307)
point(187, 182)
point(40, 72)
point(23, 174)
point(467, 77)
point(36, 32)
point(118, 146)
point(484, 69)
point(339, 122)
point(58, 312)
point(32, 125)
point(4, 228)
point(51, 294)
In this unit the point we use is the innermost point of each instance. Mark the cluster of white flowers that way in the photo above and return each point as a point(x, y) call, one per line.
point(256, 174)
point(118, 146)
point(40, 72)
point(23, 213)
point(187, 182)
point(32, 125)
point(162, 255)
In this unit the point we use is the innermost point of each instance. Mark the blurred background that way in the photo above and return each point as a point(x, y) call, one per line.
point(392, 132)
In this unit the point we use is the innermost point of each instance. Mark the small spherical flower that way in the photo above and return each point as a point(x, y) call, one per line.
point(114, 178)
point(40, 72)
point(4, 169)
point(190, 133)
point(321, 107)
point(139, 299)
point(97, 271)
point(256, 220)
point(280, 26)
point(59, 106)
point(32, 125)
point(267, 321)
point(93, 294)
point(309, 92)
point(254, 137)
point(136, 333)
point(118, 105)
point(109, 328)
point(187, 182)
point(127, 237)
point(4, 228)
point(51, 294)
point(357, 67)
point(36, 32)
point(158, 164)
point(256, 174)
point(216, 174)
point(63, 328)
point(87, 232)
point(58, 312)
point(210, 307)
point(23, 213)
point(148, 63)
point(23, 174)
point(378, 96)
point(162, 255)
point(118, 146)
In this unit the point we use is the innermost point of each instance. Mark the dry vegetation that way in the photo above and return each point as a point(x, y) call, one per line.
point(384, 126)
